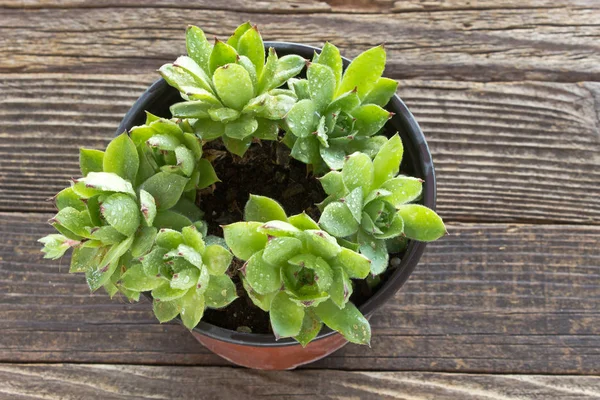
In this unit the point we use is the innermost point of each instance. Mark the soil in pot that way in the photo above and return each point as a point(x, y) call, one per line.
point(268, 170)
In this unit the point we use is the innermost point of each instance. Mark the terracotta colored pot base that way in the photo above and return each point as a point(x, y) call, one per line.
point(273, 358)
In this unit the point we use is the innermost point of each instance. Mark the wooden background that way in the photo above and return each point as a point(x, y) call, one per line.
point(507, 306)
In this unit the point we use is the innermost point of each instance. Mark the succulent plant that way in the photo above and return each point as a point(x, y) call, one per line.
point(134, 226)
point(297, 272)
point(111, 215)
point(184, 274)
point(230, 92)
point(368, 203)
point(338, 113)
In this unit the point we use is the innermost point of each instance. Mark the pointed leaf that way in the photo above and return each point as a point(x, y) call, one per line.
point(311, 326)
point(306, 149)
point(244, 239)
point(421, 223)
point(337, 219)
point(121, 158)
point(330, 56)
point(237, 147)
point(341, 288)
point(237, 34)
point(286, 316)
point(263, 209)
point(107, 235)
point(233, 85)
point(96, 182)
point(166, 293)
point(171, 220)
point(143, 241)
point(354, 264)
point(251, 46)
point(383, 90)
point(262, 276)
point(121, 212)
point(208, 176)
point(286, 68)
point(370, 118)
point(193, 238)
point(354, 201)
point(322, 244)
point(348, 321)
point(185, 279)
point(166, 310)
point(222, 54)
point(55, 246)
point(241, 128)
point(192, 308)
point(90, 160)
point(302, 119)
point(363, 71)
point(403, 189)
point(73, 220)
point(208, 129)
point(147, 207)
point(220, 292)
point(375, 250)
point(303, 221)
point(68, 198)
point(387, 161)
point(261, 301)
point(321, 85)
point(358, 171)
point(279, 228)
point(84, 258)
point(191, 109)
point(166, 188)
point(198, 48)
point(135, 279)
point(279, 250)
point(217, 259)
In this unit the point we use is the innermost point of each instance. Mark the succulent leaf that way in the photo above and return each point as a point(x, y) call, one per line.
point(198, 48)
point(222, 54)
point(233, 85)
point(421, 223)
point(330, 56)
point(286, 316)
point(192, 308)
point(387, 161)
point(244, 239)
point(121, 158)
point(347, 321)
point(220, 292)
point(90, 160)
point(263, 209)
point(165, 188)
point(321, 85)
point(337, 219)
point(381, 93)
point(363, 72)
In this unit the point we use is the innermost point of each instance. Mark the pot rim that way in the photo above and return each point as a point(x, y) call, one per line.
point(413, 252)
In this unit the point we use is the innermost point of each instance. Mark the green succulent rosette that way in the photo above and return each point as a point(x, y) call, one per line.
point(230, 91)
point(297, 272)
point(338, 113)
point(368, 204)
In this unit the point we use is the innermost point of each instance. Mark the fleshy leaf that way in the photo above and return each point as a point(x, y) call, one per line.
point(90, 160)
point(375, 250)
point(333, 183)
point(166, 310)
point(387, 161)
point(107, 235)
point(170, 220)
point(185, 278)
point(356, 265)
point(341, 288)
point(135, 279)
point(147, 207)
point(321, 85)
point(279, 228)
point(208, 176)
point(233, 85)
point(330, 56)
point(358, 171)
point(251, 46)
point(121, 157)
point(354, 201)
point(221, 54)
point(166, 293)
point(286, 316)
point(286, 68)
point(185, 160)
point(220, 292)
point(382, 92)
point(244, 239)
point(84, 258)
point(193, 238)
point(421, 223)
point(166, 188)
point(281, 249)
point(217, 259)
point(301, 119)
point(96, 182)
point(370, 118)
point(306, 149)
point(262, 276)
point(263, 209)
point(363, 71)
point(337, 219)
point(143, 241)
point(311, 326)
point(403, 189)
point(121, 212)
point(237, 34)
point(208, 129)
point(191, 109)
point(303, 221)
point(321, 243)
point(169, 239)
point(55, 245)
point(192, 308)
point(68, 198)
point(261, 301)
point(198, 48)
point(347, 321)
point(73, 220)
point(242, 127)
point(237, 147)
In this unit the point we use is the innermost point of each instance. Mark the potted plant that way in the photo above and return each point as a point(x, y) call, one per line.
point(256, 197)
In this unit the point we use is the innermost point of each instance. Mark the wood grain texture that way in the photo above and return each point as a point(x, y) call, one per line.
point(526, 152)
point(456, 42)
point(71, 381)
point(487, 298)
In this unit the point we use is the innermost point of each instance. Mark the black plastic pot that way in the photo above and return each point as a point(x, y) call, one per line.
point(262, 350)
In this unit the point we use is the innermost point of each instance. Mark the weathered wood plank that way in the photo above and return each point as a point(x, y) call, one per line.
point(481, 44)
point(503, 151)
point(487, 298)
point(72, 381)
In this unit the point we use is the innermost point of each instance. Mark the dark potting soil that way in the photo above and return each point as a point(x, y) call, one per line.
point(268, 170)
